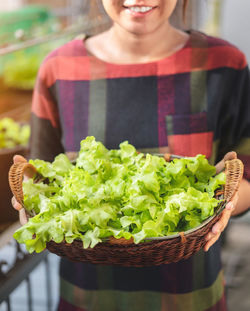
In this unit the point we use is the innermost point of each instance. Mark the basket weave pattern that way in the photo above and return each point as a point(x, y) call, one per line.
point(135, 255)
point(125, 253)
point(234, 172)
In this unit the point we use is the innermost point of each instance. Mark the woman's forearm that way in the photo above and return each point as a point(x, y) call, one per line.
point(243, 203)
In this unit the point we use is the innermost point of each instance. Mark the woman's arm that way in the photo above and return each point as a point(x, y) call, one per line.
point(243, 203)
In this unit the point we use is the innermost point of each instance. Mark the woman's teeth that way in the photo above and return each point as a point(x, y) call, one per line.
point(140, 9)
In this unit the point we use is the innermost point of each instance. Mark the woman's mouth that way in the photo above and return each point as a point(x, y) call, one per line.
point(139, 11)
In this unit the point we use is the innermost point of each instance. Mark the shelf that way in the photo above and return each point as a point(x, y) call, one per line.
point(69, 31)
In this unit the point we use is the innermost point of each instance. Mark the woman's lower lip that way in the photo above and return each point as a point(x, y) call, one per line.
point(138, 14)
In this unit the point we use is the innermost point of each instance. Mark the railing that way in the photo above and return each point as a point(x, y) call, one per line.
point(18, 269)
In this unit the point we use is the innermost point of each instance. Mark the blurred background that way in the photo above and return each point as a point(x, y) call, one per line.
point(29, 30)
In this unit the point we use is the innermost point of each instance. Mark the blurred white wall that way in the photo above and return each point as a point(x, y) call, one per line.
point(10, 5)
point(235, 24)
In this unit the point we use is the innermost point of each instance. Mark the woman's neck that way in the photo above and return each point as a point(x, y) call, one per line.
point(121, 47)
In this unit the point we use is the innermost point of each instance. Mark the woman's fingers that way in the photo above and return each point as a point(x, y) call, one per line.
point(211, 241)
point(228, 156)
point(220, 225)
point(226, 214)
point(18, 158)
point(15, 204)
point(22, 214)
point(22, 217)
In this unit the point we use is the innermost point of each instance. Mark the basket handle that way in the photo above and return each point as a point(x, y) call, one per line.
point(16, 174)
point(234, 170)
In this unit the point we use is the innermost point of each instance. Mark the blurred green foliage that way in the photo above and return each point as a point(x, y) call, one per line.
point(13, 134)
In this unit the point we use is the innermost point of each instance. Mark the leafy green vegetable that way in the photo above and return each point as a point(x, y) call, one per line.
point(13, 134)
point(119, 193)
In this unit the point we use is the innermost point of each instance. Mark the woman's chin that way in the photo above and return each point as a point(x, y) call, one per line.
point(137, 29)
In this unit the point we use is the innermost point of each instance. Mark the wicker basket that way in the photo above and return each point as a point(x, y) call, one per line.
point(8, 214)
point(152, 252)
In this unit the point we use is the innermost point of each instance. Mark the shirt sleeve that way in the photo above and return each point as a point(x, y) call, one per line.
point(45, 141)
point(235, 120)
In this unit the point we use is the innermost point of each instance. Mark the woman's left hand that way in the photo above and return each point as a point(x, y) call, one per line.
point(219, 227)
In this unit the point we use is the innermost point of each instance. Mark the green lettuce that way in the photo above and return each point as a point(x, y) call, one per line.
point(116, 193)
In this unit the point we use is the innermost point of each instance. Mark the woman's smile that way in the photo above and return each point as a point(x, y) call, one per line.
point(139, 10)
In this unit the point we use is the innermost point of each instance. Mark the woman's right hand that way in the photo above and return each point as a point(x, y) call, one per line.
point(22, 215)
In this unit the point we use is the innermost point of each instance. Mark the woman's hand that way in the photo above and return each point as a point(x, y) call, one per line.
point(22, 215)
point(219, 227)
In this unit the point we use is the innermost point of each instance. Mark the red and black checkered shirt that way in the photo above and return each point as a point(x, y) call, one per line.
point(196, 100)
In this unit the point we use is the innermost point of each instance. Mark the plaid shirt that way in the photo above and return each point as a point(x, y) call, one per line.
point(197, 100)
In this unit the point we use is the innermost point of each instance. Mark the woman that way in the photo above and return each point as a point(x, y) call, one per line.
point(161, 89)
